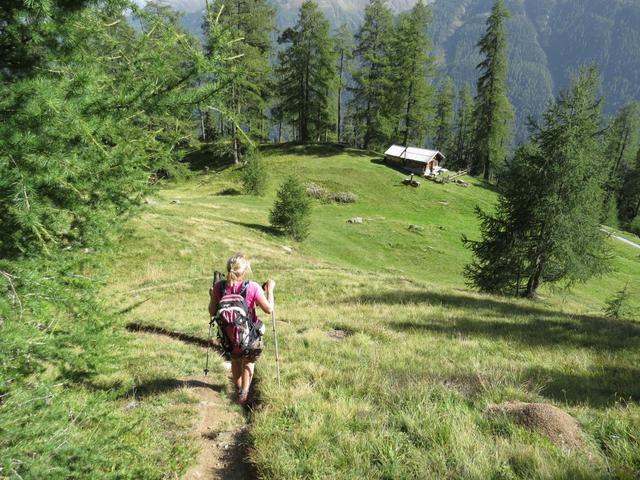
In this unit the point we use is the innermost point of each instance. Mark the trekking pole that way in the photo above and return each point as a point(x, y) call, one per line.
point(216, 279)
point(275, 337)
point(206, 365)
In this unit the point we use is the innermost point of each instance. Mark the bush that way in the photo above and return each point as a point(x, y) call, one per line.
point(320, 193)
point(291, 210)
point(634, 226)
point(254, 175)
point(345, 197)
point(316, 191)
point(617, 307)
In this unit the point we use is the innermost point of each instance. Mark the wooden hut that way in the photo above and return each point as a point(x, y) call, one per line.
point(416, 160)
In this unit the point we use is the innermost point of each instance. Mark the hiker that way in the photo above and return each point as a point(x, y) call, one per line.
point(242, 363)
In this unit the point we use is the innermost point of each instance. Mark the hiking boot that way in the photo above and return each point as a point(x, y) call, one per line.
point(243, 397)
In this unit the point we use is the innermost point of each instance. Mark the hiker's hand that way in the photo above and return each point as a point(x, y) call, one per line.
point(270, 285)
point(211, 292)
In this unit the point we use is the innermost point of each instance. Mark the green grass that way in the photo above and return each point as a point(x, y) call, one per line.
point(404, 394)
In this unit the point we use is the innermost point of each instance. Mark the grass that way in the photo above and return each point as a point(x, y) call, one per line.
point(403, 394)
point(402, 391)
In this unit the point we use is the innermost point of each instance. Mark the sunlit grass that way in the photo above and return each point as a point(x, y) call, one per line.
point(403, 394)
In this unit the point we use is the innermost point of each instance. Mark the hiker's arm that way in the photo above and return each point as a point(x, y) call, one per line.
point(266, 301)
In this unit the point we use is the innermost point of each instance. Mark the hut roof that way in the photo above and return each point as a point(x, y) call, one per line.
point(421, 155)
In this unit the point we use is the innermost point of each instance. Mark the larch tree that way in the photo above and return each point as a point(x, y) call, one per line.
point(623, 138)
point(307, 73)
point(493, 114)
point(372, 80)
point(344, 50)
point(411, 71)
point(546, 226)
point(461, 155)
point(444, 127)
point(246, 92)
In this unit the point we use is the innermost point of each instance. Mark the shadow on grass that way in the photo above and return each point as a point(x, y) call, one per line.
point(540, 327)
point(603, 388)
point(163, 385)
point(184, 337)
point(315, 149)
point(260, 228)
point(133, 306)
point(206, 159)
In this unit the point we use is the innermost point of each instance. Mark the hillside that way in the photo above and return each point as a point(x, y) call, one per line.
point(388, 361)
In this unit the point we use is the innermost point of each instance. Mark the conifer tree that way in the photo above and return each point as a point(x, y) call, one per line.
point(89, 112)
point(372, 80)
point(307, 73)
point(630, 195)
point(461, 155)
point(444, 118)
point(291, 210)
point(493, 115)
point(411, 70)
point(623, 142)
point(250, 23)
point(344, 50)
point(547, 222)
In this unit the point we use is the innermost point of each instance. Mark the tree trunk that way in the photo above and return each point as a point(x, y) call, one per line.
point(407, 120)
point(534, 279)
point(340, 94)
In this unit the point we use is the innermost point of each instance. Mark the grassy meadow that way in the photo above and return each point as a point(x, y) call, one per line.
point(388, 360)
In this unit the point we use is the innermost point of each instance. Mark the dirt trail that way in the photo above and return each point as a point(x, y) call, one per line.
point(221, 430)
point(222, 447)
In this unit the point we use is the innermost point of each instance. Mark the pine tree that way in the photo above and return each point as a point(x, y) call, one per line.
point(461, 155)
point(307, 73)
point(372, 80)
point(547, 222)
point(629, 205)
point(246, 83)
point(344, 51)
point(254, 174)
point(618, 307)
point(92, 110)
point(444, 138)
point(291, 210)
point(411, 70)
point(493, 115)
point(623, 142)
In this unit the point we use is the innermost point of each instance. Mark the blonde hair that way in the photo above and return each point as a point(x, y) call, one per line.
point(237, 266)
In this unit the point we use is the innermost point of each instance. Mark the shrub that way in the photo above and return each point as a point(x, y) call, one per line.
point(345, 197)
point(291, 210)
point(316, 191)
point(617, 307)
point(634, 226)
point(254, 175)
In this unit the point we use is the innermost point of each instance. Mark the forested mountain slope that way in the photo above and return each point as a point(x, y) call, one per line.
point(549, 39)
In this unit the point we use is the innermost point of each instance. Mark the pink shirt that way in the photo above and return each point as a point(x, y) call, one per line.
point(253, 294)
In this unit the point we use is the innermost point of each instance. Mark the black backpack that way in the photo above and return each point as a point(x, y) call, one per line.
point(235, 326)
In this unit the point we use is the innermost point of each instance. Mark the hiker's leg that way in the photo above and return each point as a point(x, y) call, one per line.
point(236, 371)
point(247, 373)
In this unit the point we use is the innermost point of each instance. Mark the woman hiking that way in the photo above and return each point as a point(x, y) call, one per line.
point(242, 362)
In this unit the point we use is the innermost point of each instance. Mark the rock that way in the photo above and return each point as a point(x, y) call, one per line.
point(444, 204)
point(176, 201)
point(415, 228)
point(149, 201)
point(338, 334)
point(131, 405)
point(287, 249)
point(555, 424)
point(355, 220)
